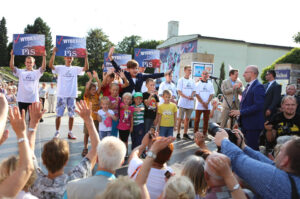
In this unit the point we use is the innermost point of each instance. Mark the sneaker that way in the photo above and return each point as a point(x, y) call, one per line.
point(187, 137)
point(71, 136)
point(178, 136)
point(56, 135)
point(41, 120)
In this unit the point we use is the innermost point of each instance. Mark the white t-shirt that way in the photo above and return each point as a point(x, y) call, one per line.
point(106, 122)
point(204, 90)
point(51, 91)
point(28, 87)
point(156, 179)
point(25, 195)
point(166, 86)
point(67, 80)
point(186, 86)
point(144, 88)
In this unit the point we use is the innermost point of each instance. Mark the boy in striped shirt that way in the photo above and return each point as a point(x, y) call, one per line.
point(138, 120)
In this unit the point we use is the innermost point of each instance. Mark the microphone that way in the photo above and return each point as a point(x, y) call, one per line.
point(213, 77)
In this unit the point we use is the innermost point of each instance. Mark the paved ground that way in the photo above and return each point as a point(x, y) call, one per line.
point(46, 130)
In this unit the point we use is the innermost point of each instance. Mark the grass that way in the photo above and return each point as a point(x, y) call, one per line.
point(6, 72)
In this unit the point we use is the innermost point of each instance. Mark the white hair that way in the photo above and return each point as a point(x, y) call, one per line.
point(111, 152)
point(179, 187)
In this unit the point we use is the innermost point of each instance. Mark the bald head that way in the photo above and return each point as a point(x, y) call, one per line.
point(251, 73)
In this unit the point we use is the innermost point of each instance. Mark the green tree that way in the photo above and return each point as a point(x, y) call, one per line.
point(3, 43)
point(297, 37)
point(150, 44)
point(97, 42)
point(292, 57)
point(222, 77)
point(41, 27)
point(128, 44)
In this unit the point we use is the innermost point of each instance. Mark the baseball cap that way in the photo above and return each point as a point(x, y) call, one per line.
point(137, 94)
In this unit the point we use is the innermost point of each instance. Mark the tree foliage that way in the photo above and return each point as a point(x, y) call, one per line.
point(292, 57)
point(297, 37)
point(97, 43)
point(222, 77)
point(128, 44)
point(149, 44)
point(3, 43)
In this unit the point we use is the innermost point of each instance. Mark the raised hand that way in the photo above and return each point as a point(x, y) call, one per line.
point(161, 143)
point(110, 53)
point(220, 165)
point(220, 136)
point(36, 112)
point(95, 75)
point(17, 121)
point(4, 136)
point(89, 74)
point(83, 110)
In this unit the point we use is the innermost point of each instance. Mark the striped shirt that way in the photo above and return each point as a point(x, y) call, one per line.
point(138, 116)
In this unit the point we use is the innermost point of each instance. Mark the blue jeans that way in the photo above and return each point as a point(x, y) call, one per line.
point(137, 135)
point(148, 124)
point(165, 131)
point(103, 134)
point(114, 130)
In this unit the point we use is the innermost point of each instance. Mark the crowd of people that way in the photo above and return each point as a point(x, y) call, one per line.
point(252, 117)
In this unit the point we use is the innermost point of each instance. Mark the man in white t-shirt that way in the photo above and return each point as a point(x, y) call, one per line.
point(204, 94)
point(167, 85)
point(186, 91)
point(28, 91)
point(66, 89)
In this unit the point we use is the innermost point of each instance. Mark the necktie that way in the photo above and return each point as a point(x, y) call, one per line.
point(245, 92)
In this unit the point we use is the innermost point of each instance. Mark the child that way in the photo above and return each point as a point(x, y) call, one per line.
point(151, 103)
point(125, 125)
point(66, 89)
point(186, 91)
point(10, 97)
point(109, 78)
point(135, 78)
point(105, 117)
point(138, 120)
point(115, 102)
point(28, 81)
point(167, 115)
point(91, 96)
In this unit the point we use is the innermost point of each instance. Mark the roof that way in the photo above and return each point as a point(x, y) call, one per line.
point(185, 38)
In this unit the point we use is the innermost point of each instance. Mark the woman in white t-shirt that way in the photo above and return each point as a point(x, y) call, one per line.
point(159, 171)
point(28, 92)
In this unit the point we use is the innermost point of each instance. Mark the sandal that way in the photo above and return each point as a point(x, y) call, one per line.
point(84, 152)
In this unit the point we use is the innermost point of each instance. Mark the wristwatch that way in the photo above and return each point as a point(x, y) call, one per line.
point(151, 154)
point(235, 187)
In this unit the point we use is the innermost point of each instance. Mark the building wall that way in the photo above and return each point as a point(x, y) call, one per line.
point(238, 54)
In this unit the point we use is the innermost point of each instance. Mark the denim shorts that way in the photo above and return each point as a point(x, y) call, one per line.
point(103, 134)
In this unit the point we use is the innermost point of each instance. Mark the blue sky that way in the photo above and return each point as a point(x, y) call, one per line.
point(259, 21)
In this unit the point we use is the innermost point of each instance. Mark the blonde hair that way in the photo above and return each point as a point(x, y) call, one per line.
point(127, 94)
point(179, 187)
point(9, 165)
point(121, 188)
point(194, 169)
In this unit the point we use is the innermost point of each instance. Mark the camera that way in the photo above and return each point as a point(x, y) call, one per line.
point(213, 128)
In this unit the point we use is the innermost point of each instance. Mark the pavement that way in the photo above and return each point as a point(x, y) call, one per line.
point(46, 130)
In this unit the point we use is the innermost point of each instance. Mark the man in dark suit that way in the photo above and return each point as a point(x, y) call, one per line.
point(273, 95)
point(251, 113)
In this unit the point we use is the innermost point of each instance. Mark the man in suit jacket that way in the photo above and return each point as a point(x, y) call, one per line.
point(273, 95)
point(231, 88)
point(251, 114)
